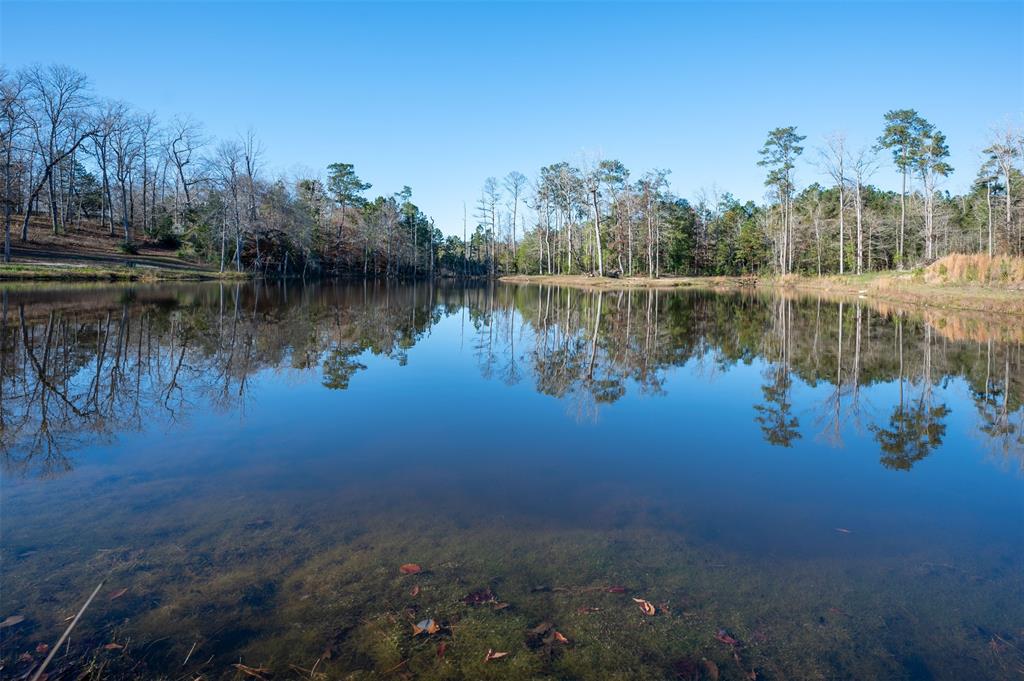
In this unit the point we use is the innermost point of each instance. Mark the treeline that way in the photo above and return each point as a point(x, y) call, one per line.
point(73, 157)
point(600, 220)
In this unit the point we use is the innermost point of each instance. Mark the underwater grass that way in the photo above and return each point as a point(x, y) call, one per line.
point(244, 581)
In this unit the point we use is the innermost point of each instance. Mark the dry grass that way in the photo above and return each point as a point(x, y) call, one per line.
point(916, 290)
point(961, 268)
point(87, 238)
point(911, 290)
point(615, 283)
point(72, 272)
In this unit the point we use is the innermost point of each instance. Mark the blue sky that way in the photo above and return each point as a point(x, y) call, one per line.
point(439, 96)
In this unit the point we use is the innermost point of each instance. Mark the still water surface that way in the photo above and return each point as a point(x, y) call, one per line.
point(802, 489)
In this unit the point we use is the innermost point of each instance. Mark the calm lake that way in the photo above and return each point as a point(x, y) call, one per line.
point(799, 488)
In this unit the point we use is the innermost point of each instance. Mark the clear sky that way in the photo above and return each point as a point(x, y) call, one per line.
point(440, 96)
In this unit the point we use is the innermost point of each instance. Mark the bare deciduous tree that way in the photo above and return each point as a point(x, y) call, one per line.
point(60, 119)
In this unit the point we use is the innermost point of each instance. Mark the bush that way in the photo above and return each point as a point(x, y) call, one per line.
point(977, 268)
point(165, 235)
point(168, 241)
point(128, 248)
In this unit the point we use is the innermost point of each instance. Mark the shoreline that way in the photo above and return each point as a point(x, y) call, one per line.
point(27, 272)
point(903, 288)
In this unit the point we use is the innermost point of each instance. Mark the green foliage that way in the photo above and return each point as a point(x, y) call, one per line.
point(903, 136)
point(345, 185)
point(164, 233)
point(753, 252)
point(932, 152)
point(779, 154)
point(680, 226)
point(89, 190)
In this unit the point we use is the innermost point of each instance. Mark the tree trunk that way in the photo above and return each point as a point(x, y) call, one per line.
point(1009, 231)
point(125, 222)
point(7, 204)
point(903, 212)
point(223, 241)
point(988, 200)
point(842, 224)
point(860, 231)
point(52, 200)
point(597, 235)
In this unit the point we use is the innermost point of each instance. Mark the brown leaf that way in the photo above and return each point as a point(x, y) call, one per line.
point(26, 657)
point(494, 655)
point(616, 589)
point(441, 648)
point(646, 607)
point(410, 569)
point(11, 621)
point(560, 638)
point(43, 648)
point(415, 591)
point(113, 646)
point(117, 594)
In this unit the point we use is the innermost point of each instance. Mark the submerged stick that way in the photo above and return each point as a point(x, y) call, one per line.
point(400, 664)
point(67, 632)
point(191, 650)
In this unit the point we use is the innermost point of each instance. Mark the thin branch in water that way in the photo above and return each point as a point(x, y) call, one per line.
point(67, 632)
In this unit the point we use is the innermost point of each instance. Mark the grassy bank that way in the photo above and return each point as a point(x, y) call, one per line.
point(591, 282)
point(957, 282)
point(910, 289)
point(89, 252)
point(63, 272)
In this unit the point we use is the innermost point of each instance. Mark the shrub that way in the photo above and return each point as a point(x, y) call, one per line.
point(169, 240)
point(977, 268)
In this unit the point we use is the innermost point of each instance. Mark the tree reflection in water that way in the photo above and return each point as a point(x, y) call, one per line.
point(79, 366)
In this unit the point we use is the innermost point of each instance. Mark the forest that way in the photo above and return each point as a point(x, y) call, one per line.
point(72, 158)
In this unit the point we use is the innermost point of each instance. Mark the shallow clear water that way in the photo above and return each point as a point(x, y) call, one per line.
point(837, 486)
